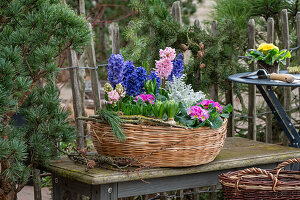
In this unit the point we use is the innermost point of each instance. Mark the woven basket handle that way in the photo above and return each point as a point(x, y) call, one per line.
point(255, 170)
point(285, 163)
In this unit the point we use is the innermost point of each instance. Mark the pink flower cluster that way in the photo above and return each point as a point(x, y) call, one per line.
point(164, 66)
point(113, 97)
point(206, 103)
point(198, 112)
point(168, 53)
point(145, 97)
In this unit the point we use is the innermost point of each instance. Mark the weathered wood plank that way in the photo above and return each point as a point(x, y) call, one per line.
point(229, 100)
point(37, 184)
point(180, 193)
point(134, 188)
point(298, 44)
point(82, 7)
point(251, 88)
point(72, 59)
point(108, 192)
point(176, 12)
point(196, 196)
point(114, 28)
point(237, 152)
point(286, 45)
point(269, 116)
point(94, 74)
point(213, 194)
point(57, 188)
point(214, 90)
point(81, 73)
point(197, 23)
point(270, 30)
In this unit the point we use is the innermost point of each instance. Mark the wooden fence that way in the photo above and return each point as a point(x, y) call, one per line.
point(176, 13)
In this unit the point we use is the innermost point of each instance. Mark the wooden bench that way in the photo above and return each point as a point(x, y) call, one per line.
point(70, 178)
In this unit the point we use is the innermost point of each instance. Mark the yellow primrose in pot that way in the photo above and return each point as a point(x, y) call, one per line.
point(268, 56)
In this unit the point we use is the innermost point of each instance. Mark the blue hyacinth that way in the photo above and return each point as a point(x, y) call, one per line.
point(131, 85)
point(127, 70)
point(141, 76)
point(115, 69)
point(152, 77)
point(177, 67)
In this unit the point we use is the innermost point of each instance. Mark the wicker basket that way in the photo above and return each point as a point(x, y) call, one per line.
point(159, 146)
point(255, 183)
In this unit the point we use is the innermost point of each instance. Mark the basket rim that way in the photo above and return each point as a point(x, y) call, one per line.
point(230, 180)
point(93, 119)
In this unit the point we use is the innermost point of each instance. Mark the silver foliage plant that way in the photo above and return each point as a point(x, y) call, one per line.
point(181, 92)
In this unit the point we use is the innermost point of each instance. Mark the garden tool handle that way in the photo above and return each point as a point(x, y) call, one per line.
point(285, 163)
point(255, 170)
point(282, 77)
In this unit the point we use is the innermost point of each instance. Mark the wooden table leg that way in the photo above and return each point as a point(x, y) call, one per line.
point(57, 188)
point(105, 192)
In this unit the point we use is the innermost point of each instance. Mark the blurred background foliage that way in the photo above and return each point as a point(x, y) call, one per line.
point(151, 28)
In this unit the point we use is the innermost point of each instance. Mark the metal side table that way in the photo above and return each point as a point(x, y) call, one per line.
point(273, 102)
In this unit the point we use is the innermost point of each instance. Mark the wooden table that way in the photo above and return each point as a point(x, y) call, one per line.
point(70, 178)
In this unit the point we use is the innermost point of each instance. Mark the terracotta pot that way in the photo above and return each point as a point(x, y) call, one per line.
point(269, 68)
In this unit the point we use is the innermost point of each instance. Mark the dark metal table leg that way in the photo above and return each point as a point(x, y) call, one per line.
point(280, 115)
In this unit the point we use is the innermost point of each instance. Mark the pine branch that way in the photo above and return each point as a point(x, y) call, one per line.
point(114, 121)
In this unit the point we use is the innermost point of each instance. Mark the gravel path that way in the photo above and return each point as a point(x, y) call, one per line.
point(203, 10)
point(27, 193)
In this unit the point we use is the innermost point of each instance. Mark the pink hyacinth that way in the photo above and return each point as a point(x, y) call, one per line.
point(113, 96)
point(163, 68)
point(206, 103)
point(145, 97)
point(168, 53)
point(198, 112)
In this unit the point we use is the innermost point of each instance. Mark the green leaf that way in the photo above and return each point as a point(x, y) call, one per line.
point(227, 108)
point(225, 115)
point(216, 123)
point(161, 111)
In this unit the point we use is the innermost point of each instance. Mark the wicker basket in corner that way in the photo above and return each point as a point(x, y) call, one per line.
point(256, 183)
point(159, 146)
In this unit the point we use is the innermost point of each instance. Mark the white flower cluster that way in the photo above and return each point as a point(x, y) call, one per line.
point(181, 92)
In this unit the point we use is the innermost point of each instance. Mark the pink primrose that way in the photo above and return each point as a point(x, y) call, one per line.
point(206, 104)
point(145, 97)
point(218, 106)
point(198, 112)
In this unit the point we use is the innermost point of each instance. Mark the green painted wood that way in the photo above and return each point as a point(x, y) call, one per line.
point(171, 183)
point(237, 152)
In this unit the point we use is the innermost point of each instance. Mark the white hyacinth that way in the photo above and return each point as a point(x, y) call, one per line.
point(181, 92)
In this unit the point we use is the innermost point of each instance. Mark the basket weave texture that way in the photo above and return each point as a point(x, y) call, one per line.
point(255, 183)
point(159, 146)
